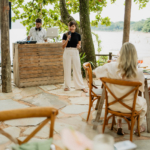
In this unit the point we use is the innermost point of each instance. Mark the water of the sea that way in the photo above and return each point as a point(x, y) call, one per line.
point(111, 41)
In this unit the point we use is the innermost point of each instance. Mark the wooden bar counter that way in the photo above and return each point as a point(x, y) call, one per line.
point(38, 64)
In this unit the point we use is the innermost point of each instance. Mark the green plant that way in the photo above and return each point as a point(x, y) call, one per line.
point(83, 60)
point(98, 42)
point(102, 60)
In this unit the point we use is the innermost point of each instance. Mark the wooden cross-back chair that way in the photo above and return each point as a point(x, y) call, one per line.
point(94, 92)
point(31, 112)
point(134, 115)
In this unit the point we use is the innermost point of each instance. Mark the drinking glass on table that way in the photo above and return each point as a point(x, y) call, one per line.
point(103, 142)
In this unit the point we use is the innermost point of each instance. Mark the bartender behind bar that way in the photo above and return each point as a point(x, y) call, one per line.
point(37, 33)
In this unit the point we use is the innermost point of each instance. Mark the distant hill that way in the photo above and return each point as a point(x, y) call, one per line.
point(143, 25)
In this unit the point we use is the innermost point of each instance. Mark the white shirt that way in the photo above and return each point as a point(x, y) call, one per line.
point(110, 70)
point(38, 36)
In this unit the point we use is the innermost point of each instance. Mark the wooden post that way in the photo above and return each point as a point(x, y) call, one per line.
point(110, 55)
point(0, 25)
point(148, 105)
point(5, 51)
point(127, 16)
point(99, 112)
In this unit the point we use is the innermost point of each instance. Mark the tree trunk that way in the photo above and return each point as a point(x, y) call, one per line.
point(127, 16)
point(0, 23)
point(65, 16)
point(5, 52)
point(85, 28)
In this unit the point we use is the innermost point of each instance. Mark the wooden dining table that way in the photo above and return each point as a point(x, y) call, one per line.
point(97, 120)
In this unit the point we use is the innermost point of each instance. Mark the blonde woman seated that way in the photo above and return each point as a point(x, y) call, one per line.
point(125, 68)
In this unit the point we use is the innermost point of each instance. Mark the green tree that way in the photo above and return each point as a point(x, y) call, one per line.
point(142, 3)
point(138, 26)
point(29, 10)
point(60, 13)
point(146, 27)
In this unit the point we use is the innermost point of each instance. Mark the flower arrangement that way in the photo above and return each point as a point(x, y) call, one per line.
point(74, 140)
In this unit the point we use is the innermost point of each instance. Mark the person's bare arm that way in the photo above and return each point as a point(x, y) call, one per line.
point(65, 42)
point(45, 36)
point(79, 45)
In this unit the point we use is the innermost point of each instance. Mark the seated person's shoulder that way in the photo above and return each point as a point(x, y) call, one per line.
point(64, 37)
point(65, 34)
point(112, 64)
point(109, 66)
point(78, 34)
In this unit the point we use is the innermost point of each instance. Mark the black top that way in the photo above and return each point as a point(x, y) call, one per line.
point(75, 38)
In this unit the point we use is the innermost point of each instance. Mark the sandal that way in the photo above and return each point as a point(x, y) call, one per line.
point(142, 129)
point(120, 131)
point(85, 91)
point(66, 89)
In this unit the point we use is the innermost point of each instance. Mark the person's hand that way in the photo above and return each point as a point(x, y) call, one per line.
point(28, 38)
point(108, 61)
point(78, 46)
point(94, 73)
point(68, 37)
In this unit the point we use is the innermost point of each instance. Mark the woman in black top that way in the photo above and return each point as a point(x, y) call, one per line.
point(71, 43)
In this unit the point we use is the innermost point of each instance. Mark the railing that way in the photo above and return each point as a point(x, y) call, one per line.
point(110, 55)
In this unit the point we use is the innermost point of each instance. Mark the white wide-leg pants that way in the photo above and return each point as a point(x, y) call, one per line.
point(71, 56)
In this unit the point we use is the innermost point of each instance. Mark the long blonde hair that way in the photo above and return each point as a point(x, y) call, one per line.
point(127, 61)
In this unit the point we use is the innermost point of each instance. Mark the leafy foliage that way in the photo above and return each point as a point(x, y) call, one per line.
point(83, 60)
point(102, 60)
point(49, 11)
point(138, 26)
point(29, 10)
point(142, 3)
point(98, 42)
point(146, 27)
point(143, 25)
point(113, 27)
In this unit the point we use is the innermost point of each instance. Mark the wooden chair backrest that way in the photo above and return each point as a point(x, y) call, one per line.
point(121, 82)
point(31, 112)
point(88, 72)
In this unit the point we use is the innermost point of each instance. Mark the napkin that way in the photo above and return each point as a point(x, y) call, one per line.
point(42, 145)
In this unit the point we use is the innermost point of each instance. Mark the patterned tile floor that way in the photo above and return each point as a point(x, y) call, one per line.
point(73, 107)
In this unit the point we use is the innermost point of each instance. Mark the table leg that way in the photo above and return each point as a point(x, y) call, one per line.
point(148, 106)
point(100, 107)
